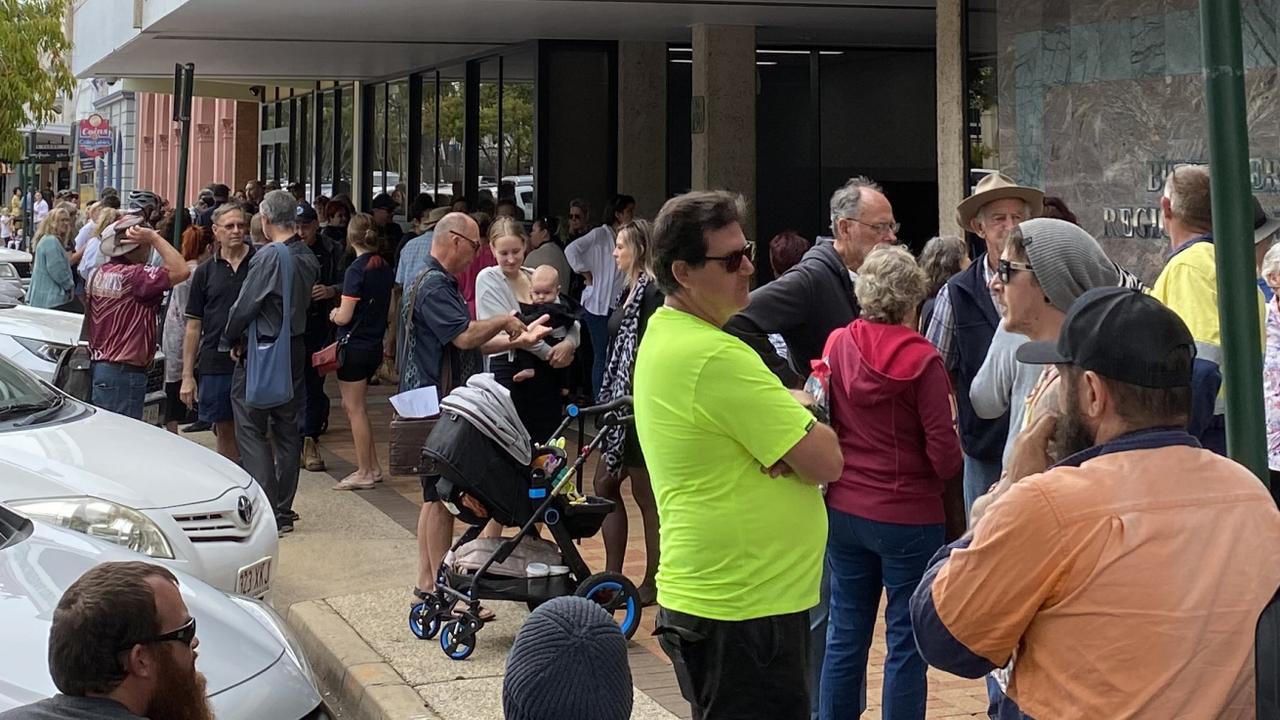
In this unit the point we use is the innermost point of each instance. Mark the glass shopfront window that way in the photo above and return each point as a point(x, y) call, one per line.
point(518, 130)
point(452, 104)
point(490, 126)
point(430, 147)
point(398, 144)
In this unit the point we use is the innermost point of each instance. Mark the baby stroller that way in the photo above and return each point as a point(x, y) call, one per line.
point(478, 480)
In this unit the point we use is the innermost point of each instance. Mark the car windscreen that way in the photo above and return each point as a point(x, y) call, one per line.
point(19, 388)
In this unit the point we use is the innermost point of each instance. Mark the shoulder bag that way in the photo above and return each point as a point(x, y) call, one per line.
point(409, 435)
point(269, 365)
point(74, 375)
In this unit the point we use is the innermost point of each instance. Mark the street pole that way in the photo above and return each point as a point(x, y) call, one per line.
point(183, 81)
point(1233, 233)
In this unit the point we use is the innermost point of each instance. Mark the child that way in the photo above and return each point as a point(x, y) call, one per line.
point(545, 293)
point(6, 232)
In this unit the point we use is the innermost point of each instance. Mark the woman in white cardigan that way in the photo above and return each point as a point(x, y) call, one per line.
point(501, 290)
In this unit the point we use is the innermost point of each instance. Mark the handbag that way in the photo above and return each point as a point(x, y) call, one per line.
point(409, 435)
point(330, 357)
point(74, 374)
point(269, 365)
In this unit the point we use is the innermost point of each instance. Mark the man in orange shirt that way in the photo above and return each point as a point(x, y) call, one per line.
point(1127, 580)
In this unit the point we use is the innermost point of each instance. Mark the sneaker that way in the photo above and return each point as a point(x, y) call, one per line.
point(284, 527)
point(293, 516)
point(311, 459)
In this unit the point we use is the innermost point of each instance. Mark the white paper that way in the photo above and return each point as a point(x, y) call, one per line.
point(420, 403)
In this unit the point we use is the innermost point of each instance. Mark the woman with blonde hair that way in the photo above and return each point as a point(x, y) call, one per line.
point(621, 454)
point(52, 281)
point(502, 290)
point(361, 318)
point(890, 405)
point(91, 256)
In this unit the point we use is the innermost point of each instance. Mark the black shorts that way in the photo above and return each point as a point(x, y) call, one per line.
point(359, 364)
point(748, 668)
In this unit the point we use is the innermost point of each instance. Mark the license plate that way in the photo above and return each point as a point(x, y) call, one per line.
point(151, 414)
point(254, 580)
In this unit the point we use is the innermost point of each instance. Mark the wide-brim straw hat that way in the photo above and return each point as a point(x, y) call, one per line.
point(997, 186)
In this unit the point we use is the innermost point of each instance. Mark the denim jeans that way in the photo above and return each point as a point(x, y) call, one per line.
point(818, 647)
point(979, 476)
point(119, 390)
point(863, 556)
point(598, 329)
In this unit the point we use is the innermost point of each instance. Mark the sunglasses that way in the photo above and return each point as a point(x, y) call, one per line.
point(185, 635)
point(1006, 268)
point(475, 244)
point(733, 261)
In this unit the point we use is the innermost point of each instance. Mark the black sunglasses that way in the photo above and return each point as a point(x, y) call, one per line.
point(475, 244)
point(185, 635)
point(733, 260)
point(1005, 268)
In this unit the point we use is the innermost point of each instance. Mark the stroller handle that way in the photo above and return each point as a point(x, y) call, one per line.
point(614, 404)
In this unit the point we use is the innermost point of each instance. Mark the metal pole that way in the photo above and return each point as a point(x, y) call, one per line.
point(1233, 233)
point(183, 82)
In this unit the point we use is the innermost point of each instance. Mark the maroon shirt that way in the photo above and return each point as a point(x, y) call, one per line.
point(123, 304)
point(891, 409)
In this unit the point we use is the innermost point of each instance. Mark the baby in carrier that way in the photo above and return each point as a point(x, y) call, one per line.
point(545, 293)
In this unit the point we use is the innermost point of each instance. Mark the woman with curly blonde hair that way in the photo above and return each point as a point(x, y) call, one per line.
point(891, 409)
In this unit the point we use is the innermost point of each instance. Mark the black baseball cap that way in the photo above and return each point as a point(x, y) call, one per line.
point(1123, 335)
point(305, 213)
point(383, 201)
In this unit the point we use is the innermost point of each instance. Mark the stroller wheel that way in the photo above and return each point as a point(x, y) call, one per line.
point(423, 623)
point(615, 593)
point(458, 639)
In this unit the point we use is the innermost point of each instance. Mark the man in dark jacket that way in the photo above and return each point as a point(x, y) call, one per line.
point(320, 332)
point(804, 305)
point(270, 445)
point(816, 296)
point(965, 319)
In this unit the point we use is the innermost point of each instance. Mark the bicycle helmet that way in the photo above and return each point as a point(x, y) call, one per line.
point(144, 200)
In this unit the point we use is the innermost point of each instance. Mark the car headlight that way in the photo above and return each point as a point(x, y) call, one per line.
point(271, 620)
point(50, 352)
point(8, 272)
point(101, 519)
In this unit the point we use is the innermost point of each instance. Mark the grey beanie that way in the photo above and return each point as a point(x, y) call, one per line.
point(569, 662)
point(1066, 260)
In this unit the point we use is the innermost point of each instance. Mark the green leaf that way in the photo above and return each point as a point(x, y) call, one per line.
point(34, 49)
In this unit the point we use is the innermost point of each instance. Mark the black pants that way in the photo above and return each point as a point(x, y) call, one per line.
point(315, 406)
point(739, 670)
point(270, 446)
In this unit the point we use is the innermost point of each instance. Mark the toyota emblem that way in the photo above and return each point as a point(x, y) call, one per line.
point(244, 508)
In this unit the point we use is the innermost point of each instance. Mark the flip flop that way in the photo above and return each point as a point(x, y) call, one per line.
point(351, 483)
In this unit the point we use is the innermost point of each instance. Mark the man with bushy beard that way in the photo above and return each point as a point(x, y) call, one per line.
point(1126, 580)
point(122, 645)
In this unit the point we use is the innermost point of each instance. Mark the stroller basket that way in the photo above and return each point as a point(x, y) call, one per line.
point(515, 589)
point(463, 459)
point(581, 519)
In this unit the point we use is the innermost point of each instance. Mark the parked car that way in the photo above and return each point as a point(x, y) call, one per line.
point(15, 265)
point(134, 485)
point(253, 663)
point(35, 338)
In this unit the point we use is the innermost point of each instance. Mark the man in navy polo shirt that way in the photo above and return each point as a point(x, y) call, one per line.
point(215, 285)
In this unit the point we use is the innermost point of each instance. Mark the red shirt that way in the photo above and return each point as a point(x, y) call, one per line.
point(467, 278)
point(891, 409)
point(124, 304)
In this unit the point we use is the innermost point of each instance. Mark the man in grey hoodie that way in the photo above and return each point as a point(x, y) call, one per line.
point(816, 296)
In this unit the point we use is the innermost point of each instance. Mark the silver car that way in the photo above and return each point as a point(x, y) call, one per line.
point(255, 667)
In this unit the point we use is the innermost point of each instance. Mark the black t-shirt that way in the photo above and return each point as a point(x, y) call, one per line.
point(370, 279)
point(214, 289)
point(561, 317)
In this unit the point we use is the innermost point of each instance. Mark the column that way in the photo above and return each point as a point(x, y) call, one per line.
point(248, 118)
point(724, 112)
point(642, 124)
point(953, 169)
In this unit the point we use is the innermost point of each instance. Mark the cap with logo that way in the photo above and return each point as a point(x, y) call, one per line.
point(305, 213)
point(1122, 335)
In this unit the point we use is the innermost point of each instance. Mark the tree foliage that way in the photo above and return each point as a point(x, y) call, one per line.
point(34, 71)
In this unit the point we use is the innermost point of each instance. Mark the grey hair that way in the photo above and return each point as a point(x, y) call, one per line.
point(890, 285)
point(280, 208)
point(983, 212)
point(846, 202)
point(1271, 262)
point(229, 207)
point(449, 224)
point(941, 258)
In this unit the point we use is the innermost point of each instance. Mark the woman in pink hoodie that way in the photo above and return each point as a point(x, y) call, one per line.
point(891, 408)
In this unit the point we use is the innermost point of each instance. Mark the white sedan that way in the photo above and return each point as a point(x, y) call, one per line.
point(254, 664)
point(134, 485)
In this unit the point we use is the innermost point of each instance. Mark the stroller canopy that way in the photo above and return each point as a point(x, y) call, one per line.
point(487, 406)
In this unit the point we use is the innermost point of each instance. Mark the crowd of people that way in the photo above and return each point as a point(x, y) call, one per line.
point(1021, 454)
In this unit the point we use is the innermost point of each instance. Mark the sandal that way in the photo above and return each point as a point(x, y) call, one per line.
point(351, 482)
point(485, 614)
